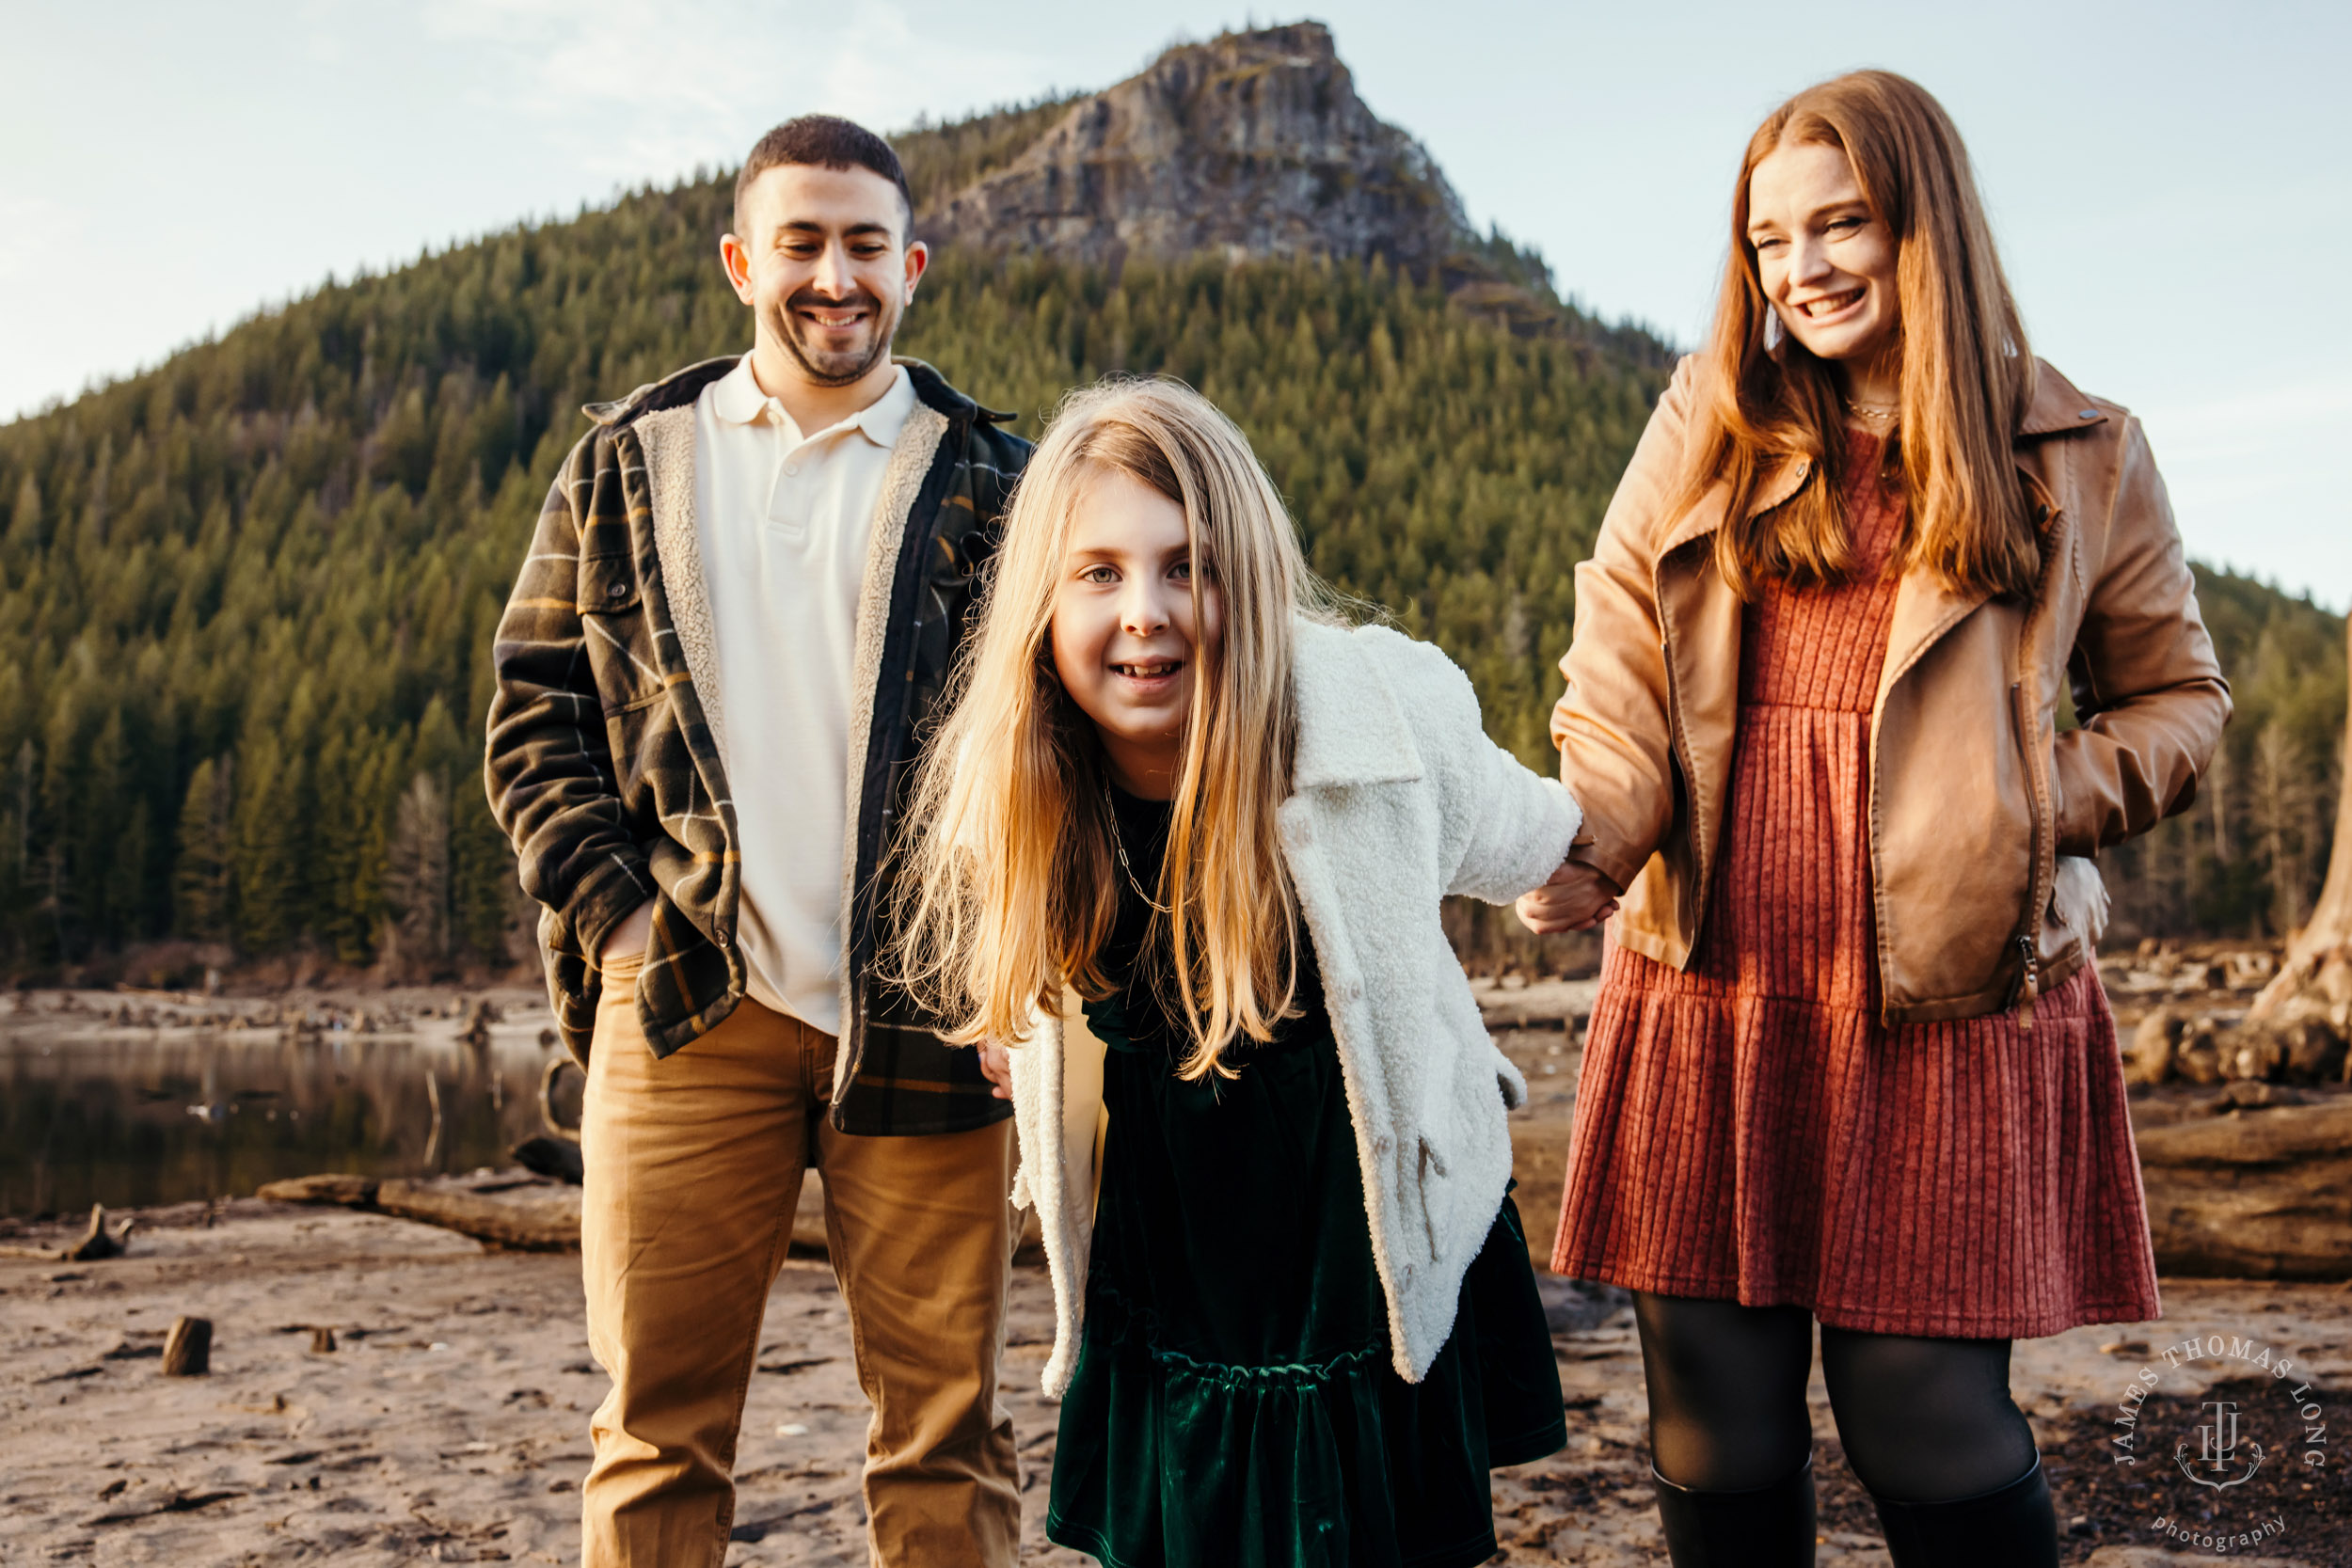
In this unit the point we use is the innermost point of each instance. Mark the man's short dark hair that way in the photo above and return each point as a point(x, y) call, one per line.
point(822, 141)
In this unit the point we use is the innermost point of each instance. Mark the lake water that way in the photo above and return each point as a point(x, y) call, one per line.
point(135, 1101)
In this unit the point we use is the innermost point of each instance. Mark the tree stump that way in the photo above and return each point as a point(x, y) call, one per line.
point(188, 1348)
point(2317, 973)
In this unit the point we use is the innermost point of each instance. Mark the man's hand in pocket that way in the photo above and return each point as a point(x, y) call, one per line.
point(996, 1066)
point(626, 940)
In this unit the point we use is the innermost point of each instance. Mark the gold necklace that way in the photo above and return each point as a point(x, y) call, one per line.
point(1878, 415)
point(1119, 843)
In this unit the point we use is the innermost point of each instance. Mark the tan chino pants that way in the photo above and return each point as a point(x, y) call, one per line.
point(694, 1170)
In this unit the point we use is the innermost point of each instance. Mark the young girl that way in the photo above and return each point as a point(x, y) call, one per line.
point(1850, 1062)
point(1295, 1320)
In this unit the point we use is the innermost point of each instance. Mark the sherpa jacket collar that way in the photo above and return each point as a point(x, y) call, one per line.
point(1351, 729)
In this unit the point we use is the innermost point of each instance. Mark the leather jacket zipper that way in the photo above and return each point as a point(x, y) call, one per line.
point(2029, 972)
point(1681, 747)
point(2028, 981)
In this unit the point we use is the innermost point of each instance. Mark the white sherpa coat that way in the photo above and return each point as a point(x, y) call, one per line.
point(1398, 799)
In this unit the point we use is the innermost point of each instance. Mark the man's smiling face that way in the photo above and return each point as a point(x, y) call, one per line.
point(822, 258)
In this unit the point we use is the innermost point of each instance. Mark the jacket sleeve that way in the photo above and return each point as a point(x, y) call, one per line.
point(1513, 826)
point(2147, 685)
point(547, 768)
point(1612, 725)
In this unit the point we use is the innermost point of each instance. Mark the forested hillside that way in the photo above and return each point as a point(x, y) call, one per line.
point(245, 599)
point(2249, 856)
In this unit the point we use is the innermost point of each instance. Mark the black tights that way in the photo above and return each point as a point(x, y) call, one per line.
point(1922, 1420)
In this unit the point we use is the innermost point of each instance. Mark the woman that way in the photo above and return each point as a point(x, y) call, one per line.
point(1851, 1060)
point(1295, 1320)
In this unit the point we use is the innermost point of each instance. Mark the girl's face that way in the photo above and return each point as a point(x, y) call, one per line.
point(1823, 259)
point(1124, 643)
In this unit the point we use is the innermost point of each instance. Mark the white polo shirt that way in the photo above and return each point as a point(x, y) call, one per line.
point(784, 520)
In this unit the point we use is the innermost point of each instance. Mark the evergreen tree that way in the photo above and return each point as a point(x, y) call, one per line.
point(201, 882)
point(417, 884)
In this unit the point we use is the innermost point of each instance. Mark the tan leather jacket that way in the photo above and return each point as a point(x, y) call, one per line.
point(1974, 795)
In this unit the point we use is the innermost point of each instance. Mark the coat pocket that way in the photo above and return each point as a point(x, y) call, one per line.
point(572, 984)
point(608, 598)
point(606, 585)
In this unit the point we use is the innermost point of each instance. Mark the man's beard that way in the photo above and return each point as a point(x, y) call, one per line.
point(825, 368)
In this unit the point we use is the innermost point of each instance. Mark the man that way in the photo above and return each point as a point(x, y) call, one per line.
point(744, 594)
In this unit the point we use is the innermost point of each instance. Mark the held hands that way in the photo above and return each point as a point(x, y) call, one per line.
point(1575, 898)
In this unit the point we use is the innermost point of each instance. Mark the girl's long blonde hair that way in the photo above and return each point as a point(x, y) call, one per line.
point(1967, 372)
point(1010, 886)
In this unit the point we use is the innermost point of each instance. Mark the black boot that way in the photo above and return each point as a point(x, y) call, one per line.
point(1771, 1526)
point(2012, 1526)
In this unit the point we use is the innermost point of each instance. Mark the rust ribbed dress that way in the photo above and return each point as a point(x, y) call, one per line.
point(1748, 1130)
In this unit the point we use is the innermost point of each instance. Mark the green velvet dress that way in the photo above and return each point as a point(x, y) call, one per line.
point(1233, 1405)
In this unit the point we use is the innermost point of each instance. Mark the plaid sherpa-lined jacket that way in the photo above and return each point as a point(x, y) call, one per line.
point(603, 769)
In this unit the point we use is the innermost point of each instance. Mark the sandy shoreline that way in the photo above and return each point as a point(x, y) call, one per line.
point(450, 1423)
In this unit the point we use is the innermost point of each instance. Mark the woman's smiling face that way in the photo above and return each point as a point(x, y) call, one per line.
point(1823, 259)
point(1124, 641)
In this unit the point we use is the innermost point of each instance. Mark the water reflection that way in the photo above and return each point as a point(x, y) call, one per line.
point(101, 1104)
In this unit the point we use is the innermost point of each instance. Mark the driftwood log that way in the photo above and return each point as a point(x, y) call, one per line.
point(100, 1241)
point(517, 1212)
point(2263, 1194)
point(512, 1209)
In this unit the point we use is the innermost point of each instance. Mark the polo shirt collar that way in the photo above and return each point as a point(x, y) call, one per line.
point(736, 396)
point(886, 416)
point(736, 399)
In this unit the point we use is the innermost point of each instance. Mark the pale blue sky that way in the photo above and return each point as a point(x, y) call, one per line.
point(2171, 183)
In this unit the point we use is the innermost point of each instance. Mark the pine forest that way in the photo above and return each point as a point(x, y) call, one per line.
point(247, 597)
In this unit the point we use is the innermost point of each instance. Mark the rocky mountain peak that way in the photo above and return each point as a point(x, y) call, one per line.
point(1252, 144)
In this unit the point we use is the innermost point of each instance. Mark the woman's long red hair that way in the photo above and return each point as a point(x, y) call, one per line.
point(1966, 370)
